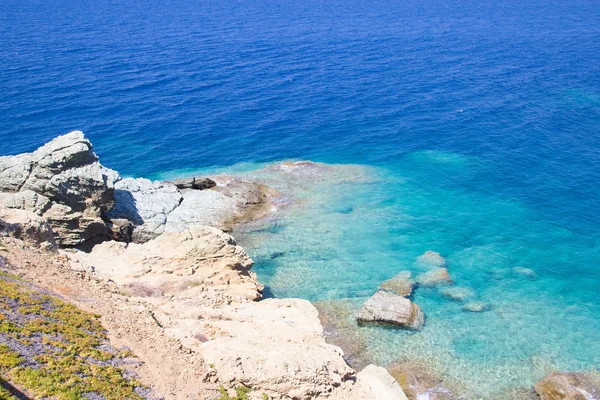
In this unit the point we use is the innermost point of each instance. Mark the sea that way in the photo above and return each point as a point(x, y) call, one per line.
point(469, 128)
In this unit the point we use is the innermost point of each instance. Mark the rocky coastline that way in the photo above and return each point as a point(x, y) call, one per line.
point(162, 247)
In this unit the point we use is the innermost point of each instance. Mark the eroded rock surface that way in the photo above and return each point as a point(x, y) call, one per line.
point(146, 204)
point(27, 226)
point(389, 308)
point(372, 383)
point(63, 182)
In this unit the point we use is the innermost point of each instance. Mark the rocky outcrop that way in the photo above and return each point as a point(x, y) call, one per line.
point(372, 383)
point(146, 204)
point(401, 284)
point(27, 226)
point(63, 182)
point(277, 347)
point(200, 285)
point(155, 207)
point(569, 386)
point(389, 308)
point(199, 260)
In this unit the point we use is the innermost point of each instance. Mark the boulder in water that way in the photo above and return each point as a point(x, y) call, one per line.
point(389, 308)
point(401, 284)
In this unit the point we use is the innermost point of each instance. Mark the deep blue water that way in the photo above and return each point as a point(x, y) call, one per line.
point(478, 122)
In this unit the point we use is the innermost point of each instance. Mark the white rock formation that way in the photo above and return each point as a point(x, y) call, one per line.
point(146, 204)
point(63, 182)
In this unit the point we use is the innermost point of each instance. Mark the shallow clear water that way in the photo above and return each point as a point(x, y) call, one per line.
point(473, 129)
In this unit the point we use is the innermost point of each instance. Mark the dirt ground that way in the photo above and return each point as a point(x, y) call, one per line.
point(171, 370)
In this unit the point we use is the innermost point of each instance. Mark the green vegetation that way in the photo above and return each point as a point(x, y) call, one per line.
point(241, 393)
point(75, 359)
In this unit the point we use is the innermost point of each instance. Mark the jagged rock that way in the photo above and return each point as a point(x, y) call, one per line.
point(121, 230)
point(476, 306)
point(431, 259)
point(384, 307)
point(372, 383)
point(417, 383)
point(526, 272)
point(64, 182)
point(569, 386)
point(194, 184)
point(146, 204)
point(401, 284)
point(435, 277)
point(459, 294)
point(26, 225)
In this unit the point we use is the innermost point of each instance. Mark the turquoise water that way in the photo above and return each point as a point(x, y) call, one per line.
point(344, 229)
point(470, 128)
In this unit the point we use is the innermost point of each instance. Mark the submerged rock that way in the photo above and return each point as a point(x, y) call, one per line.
point(435, 277)
point(476, 306)
point(417, 383)
point(431, 259)
point(526, 272)
point(569, 386)
point(459, 294)
point(338, 318)
point(389, 308)
point(401, 284)
point(63, 182)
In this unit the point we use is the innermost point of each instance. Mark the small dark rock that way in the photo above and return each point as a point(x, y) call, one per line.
point(194, 183)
